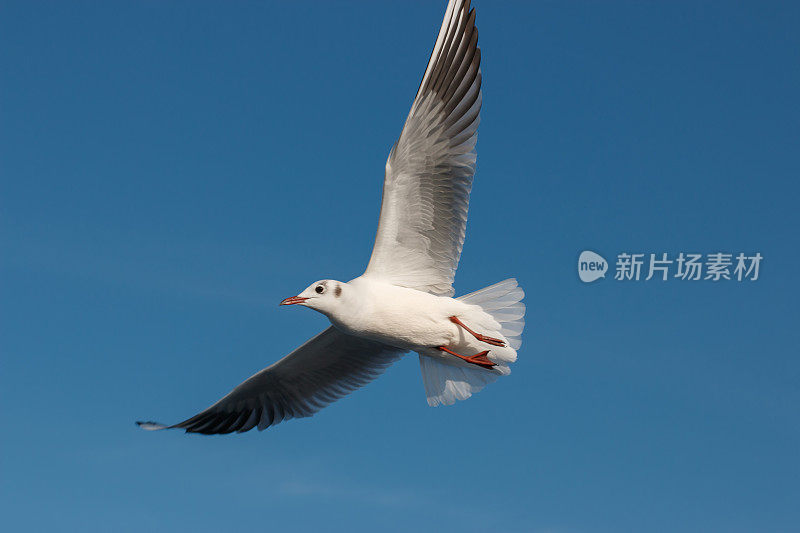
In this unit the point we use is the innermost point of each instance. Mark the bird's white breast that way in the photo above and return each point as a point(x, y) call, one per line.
point(398, 316)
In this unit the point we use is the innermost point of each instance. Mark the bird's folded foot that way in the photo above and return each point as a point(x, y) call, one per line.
point(479, 359)
point(479, 336)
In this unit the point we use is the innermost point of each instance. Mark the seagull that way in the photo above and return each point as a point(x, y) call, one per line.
point(404, 300)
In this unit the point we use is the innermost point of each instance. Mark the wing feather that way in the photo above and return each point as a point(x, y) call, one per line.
point(321, 371)
point(430, 168)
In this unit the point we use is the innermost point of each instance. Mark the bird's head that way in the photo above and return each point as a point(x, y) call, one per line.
point(323, 296)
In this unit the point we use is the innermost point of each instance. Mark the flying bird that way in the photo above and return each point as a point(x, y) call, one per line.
point(404, 300)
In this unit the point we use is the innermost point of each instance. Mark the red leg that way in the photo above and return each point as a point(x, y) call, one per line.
point(482, 338)
point(479, 359)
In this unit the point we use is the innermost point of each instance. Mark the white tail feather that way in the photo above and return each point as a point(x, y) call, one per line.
point(448, 379)
point(504, 302)
point(445, 383)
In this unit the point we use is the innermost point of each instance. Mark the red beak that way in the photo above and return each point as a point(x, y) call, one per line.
point(293, 300)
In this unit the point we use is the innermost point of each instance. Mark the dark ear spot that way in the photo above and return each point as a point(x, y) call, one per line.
point(338, 291)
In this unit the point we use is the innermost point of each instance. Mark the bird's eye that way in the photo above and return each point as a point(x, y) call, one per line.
point(320, 289)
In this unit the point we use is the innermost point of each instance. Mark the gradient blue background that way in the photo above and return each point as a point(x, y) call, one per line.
point(171, 170)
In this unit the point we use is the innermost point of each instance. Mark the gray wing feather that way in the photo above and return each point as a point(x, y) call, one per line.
point(324, 369)
point(431, 166)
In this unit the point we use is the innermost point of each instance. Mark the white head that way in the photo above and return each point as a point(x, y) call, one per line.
point(324, 296)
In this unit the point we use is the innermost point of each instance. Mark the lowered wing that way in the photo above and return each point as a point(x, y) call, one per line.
point(324, 369)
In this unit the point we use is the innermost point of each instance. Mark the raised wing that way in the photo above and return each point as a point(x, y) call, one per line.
point(430, 168)
point(324, 369)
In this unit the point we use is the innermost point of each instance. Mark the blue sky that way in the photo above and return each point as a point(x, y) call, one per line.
point(172, 170)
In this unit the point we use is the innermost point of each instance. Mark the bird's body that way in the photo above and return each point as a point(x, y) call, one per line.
point(398, 316)
point(403, 302)
point(413, 320)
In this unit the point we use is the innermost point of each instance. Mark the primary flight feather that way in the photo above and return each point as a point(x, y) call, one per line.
point(403, 301)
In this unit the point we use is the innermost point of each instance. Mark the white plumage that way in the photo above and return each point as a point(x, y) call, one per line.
point(403, 301)
point(447, 379)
